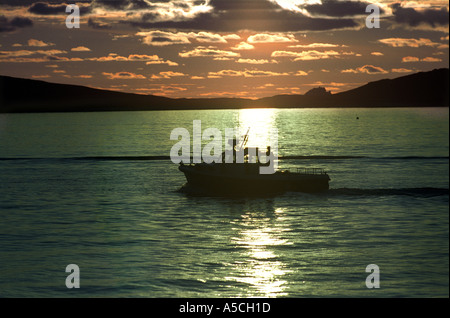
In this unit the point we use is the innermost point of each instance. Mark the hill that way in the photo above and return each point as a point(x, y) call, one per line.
point(424, 89)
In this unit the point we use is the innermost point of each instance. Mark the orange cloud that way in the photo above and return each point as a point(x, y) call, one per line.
point(149, 59)
point(163, 38)
point(209, 52)
point(306, 55)
point(168, 74)
point(38, 43)
point(367, 69)
point(254, 61)
point(431, 59)
point(243, 46)
point(271, 38)
point(400, 70)
point(80, 49)
point(245, 73)
point(22, 56)
point(123, 75)
point(300, 73)
point(404, 42)
point(314, 45)
point(409, 59)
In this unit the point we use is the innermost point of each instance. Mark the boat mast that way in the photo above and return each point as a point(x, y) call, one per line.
point(244, 141)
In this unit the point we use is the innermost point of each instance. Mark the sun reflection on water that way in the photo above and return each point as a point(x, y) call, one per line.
point(260, 121)
point(262, 269)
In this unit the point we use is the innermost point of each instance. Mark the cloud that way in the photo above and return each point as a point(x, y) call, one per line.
point(150, 12)
point(234, 37)
point(49, 55)
point(27, 53)
point(143, 57)
point(80, 49)
point(44, 8)
point(111, 57)
point(431, 59)
point(333, 84)
point(300, 73)
point(306, 55)
point(271, 38)
point(122, 4)
point(40, 76)
point(208, 37)
point(367, 69)
point(411, 42)
point(212, 15)
point(123, 75)
point(335, 8)
point(98, 24)
point(168, 62)
point(163, 38)
point(156, 10)
point(314, 45)
point(23, 56)
point(414, 17)
point(401, 70)
point(4, 54)
point(231, 16)
point(243, 46)
point(245, 73)
point(168, 74)
point(38, 43)
point(410, 59)
point(149, 59)
point(254, 61)
point(209, 52)
point(10, 25)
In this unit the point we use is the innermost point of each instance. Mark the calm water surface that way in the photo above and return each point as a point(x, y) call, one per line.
point(74, 192)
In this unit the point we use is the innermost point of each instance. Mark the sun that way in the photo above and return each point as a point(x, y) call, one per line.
point(296, 5)
point(260, 123)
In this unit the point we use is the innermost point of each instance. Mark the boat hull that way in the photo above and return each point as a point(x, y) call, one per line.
point(253, 183)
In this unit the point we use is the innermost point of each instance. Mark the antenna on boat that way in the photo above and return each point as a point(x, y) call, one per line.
point(244, 141)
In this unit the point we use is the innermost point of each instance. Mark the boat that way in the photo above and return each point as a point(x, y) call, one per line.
point(245, 178)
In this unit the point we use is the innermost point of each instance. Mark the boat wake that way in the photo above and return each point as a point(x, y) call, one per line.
point(415, 192)
point(426, 192)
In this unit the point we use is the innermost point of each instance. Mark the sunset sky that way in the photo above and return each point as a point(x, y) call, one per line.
point(228, 48)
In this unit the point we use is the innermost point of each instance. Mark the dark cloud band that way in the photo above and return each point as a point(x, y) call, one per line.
point(9, 25)
point(413, 17)
point(334, 8)
point(256, 15)
point(44, 8)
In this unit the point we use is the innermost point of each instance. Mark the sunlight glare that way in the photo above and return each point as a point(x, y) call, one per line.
point(260, 123)
point(262, 270)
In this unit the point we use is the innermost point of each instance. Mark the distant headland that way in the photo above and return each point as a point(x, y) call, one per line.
point(423, 89)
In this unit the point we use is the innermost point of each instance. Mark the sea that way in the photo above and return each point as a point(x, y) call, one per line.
point(91, 205)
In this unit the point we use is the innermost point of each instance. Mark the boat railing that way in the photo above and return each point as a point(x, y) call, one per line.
point(305, 170)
